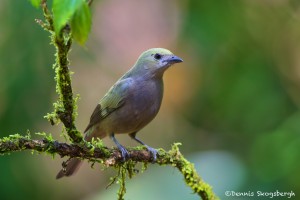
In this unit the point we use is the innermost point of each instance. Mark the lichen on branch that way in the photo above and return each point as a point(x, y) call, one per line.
point(96, 152)
point(65, 107)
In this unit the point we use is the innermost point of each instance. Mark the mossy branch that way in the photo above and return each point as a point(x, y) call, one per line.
point(65, 107)
point(96, 152)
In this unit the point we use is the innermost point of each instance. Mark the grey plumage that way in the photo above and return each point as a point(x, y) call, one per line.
point(130, 104)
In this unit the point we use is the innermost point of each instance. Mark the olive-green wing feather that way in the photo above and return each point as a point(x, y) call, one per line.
point(113, 100)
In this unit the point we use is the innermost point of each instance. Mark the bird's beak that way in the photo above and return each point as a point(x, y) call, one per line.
point(172, 59)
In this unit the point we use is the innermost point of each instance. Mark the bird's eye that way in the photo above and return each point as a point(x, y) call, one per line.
point(157, 56)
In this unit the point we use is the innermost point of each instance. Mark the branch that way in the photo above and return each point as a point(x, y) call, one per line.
point(90, 2)
point(65, 107)
point(95, 152)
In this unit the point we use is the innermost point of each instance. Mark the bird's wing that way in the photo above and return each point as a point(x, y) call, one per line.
point(113, 100)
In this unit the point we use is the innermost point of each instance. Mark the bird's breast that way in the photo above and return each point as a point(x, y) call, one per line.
point(140, 107)
point(146, 100)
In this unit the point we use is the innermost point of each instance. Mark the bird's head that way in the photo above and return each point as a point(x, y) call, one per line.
point(156, 61)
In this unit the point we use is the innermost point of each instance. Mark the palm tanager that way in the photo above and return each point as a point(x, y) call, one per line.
point(130, 104)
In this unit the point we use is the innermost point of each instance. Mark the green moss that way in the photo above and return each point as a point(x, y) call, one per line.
point(130, 166)
point(97, 143)
point(144, 166)
point(190, 175)
point(129, 169)
point(65, 108)
point(121, 181)
point(75, 107)
point(46, 136)
point(138, 148)
point(52, 117)
point(64, 134)
point(123, 169)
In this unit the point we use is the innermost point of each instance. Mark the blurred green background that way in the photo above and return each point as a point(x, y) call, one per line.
point(233, 103)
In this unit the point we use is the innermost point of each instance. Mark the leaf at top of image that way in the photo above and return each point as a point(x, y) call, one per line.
point(81, 24)
point(36, 3)
point(77, 12)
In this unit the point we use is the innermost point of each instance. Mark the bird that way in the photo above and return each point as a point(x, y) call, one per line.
point(129, 105)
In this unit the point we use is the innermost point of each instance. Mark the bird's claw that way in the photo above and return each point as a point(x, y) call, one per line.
point(124, 153)
point(153, 152)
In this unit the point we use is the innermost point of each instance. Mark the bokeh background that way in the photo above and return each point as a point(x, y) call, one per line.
point(233, 103)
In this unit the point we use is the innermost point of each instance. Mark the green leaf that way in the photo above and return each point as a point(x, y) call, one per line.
point(63, 11)
point(36, 3)
point(81, 24)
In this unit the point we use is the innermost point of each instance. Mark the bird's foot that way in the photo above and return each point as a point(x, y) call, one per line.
point(124, 153)
point(153, 152)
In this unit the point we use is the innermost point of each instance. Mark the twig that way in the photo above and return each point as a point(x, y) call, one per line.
point(89, 2)
point(64, 108)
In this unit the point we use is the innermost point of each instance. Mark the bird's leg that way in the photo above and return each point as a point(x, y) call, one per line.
point(150, 149)
point(123, 150)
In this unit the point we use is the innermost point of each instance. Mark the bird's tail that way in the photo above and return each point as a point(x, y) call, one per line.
point(72, 165)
